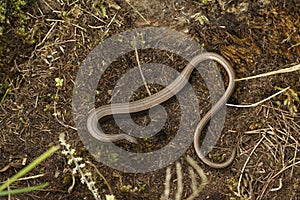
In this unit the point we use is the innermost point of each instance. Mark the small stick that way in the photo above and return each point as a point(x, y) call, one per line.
point(73, 182)
point(127, 1)
point(286, 70)
point(60, 122)
point(111, 21)
point(92, 15)
point(101, 175)
point(141, 72)
point(30, 177)
point(294, 46)
point(257, 103)
point(47, 35)
point(277, 188)
point(285, 168)
point(245, 164)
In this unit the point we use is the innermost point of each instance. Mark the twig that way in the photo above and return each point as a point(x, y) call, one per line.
point(111, 21)
point(29, 167)
point(60, 122)
point(11, 164)
point(88, 12)
point(30, 177)
point(294, 159)
point(141, 72)
point(53, 10)
point(57, 43)
point(260, 102)
point(274, 176)
point(77, 26)
point(127, 1)
point(294, 46)
point(286, 70)
point(47, 35)
point(285, 168)
point(277, 188)
point(101, 175)
point(95, 27)
point(245, 164)
point(73, 182)
point(27, 178)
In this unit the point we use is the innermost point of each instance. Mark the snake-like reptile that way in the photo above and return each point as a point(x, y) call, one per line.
point(162, 96)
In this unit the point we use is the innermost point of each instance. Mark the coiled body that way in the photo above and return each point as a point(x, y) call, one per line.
point(162, 96)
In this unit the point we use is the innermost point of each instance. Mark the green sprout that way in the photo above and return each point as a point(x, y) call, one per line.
point(59, 82)
point(4, 90)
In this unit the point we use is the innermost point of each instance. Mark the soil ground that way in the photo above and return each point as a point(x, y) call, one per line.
point(254, 36)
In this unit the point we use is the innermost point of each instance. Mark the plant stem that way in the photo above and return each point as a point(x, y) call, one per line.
point(29, 167)
point(23, 190)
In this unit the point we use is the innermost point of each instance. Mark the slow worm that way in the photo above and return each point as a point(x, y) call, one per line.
point(162, 96)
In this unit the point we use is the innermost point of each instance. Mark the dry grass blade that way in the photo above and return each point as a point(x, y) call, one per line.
point(141, 71)
point(245, 164)
point(281, 71)
point(101, 175)
point(260, 102)
point(147, 22)
point(277, 158)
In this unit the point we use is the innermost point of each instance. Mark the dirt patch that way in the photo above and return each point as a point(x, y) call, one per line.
point(255, 37)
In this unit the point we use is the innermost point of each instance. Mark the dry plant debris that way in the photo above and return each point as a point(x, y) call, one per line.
point(255, 36)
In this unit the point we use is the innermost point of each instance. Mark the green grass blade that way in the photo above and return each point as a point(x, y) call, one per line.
point(29, 167)
point(23, 190)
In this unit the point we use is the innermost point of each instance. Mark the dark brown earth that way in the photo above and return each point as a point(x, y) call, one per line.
point(254, 36)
